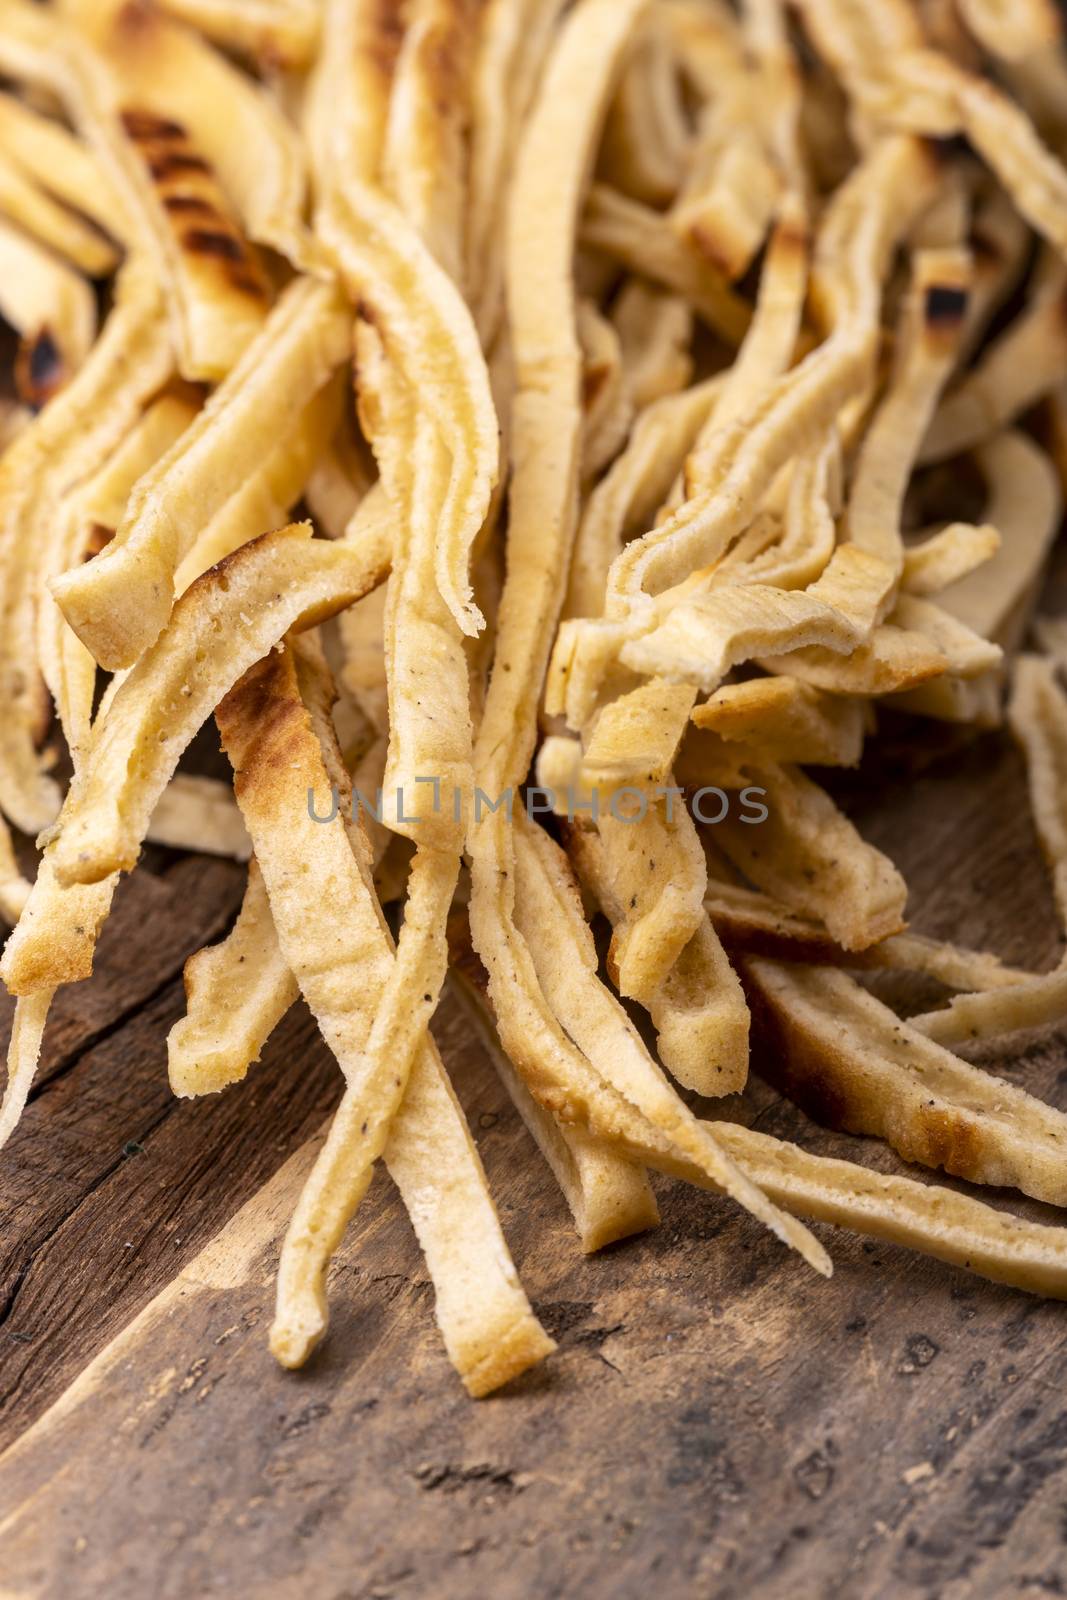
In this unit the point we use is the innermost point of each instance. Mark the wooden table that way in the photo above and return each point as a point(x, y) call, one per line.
point(716, 1422)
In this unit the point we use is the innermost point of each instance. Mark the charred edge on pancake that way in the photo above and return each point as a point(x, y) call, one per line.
point(261, 721)
point(783, 1056)
point(211, 236)
point(142, 125)
point(213, 242)
point(945, 306)
point(171, 162)
point(818, 1081)
point(39, 368)
point(190, 205)
point(45, 362)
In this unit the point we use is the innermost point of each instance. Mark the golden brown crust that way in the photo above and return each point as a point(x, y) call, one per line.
point(852, 1065)
point(220, 282)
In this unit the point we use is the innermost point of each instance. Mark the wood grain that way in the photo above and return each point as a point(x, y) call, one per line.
point(715, 1423)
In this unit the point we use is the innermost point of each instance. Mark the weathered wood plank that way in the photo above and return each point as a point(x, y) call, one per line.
point(156, 922)
point(711, 1412)
point(106, 1218)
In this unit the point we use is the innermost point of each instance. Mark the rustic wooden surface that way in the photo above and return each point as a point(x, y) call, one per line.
point(716, 1422)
